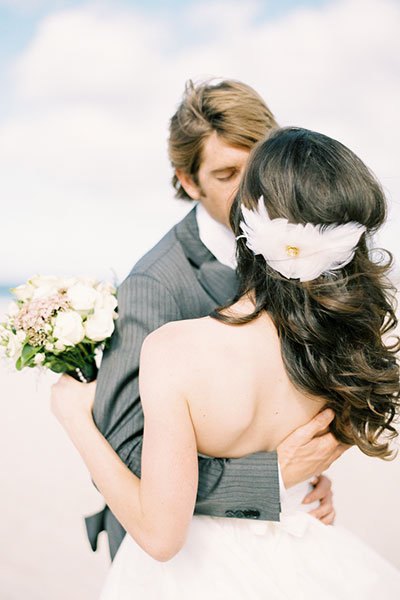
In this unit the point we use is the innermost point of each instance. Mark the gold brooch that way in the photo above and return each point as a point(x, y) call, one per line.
point(292, 251)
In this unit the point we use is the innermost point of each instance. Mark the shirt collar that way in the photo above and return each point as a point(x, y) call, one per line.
point(219, 240)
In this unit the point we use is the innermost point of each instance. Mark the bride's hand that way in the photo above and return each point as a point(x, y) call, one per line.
point(72, 401)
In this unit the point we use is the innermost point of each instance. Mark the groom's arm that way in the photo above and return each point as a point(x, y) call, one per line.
point(144, 304)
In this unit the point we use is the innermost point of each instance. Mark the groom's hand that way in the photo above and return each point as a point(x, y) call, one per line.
point(309, 450)
point(322, 493)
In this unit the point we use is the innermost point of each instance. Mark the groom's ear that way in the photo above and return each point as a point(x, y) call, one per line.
point(188, 184)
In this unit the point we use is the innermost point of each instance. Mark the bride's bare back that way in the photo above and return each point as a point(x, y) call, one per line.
point(238, 392)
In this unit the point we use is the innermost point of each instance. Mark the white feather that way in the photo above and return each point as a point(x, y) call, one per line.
point(319, 249)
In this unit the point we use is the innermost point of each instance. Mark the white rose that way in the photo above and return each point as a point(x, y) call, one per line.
point(24, 292)
point(82, 296)
point(106, 288)
point(68, 328)
point(106, 301)
point(90, 281)
point(39, 358)
point(39, 280)
point(44, 291)
point(69, 281)
point(12, 309)
point(59, 346)
point(46, 285)
point(99, 326)
point(49, 346)
point(14, 346)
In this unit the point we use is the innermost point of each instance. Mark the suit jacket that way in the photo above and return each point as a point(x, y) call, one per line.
point(178, 279)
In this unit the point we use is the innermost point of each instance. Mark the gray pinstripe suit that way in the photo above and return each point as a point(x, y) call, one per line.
point(178, 279)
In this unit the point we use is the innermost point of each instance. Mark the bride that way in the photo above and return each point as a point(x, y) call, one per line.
point(304, 334)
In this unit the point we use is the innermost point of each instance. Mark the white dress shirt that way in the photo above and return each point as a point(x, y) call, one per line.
point(220, 241)
point(216, 237)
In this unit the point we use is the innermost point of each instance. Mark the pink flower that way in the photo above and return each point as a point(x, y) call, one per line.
point(35, 314)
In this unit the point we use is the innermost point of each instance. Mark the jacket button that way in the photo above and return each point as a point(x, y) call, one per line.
point(251, 513)
point(229, 513)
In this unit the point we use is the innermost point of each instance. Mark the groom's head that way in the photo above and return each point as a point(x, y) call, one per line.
point(211, 135)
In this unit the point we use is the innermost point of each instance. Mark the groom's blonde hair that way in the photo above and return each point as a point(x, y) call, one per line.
point(230, 108)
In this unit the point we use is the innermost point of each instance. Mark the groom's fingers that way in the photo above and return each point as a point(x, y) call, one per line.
point(328, 449)
point(316, 426)
point(325, 447)
point(321, 490)
point(340, 448)
point(329, 519)
point(327, 444)
point(322, 451)
point(325, 512)
point(307, 451)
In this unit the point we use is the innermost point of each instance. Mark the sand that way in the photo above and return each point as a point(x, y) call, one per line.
point(46, 489)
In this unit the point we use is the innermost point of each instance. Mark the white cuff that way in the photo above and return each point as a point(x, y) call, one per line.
point(282, 489)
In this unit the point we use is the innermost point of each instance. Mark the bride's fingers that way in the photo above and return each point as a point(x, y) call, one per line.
point(70, 397)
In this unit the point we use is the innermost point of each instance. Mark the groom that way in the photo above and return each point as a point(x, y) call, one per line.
point(186, 275)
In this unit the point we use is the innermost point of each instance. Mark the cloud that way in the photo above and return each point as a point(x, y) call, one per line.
point(84, 54)
point(93, 91)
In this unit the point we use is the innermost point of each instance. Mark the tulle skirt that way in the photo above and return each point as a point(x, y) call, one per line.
point(236, 559)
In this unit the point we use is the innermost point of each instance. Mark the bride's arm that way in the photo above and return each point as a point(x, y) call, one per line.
point(156, 510)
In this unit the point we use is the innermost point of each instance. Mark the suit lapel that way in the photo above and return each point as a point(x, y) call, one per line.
point(218, 280)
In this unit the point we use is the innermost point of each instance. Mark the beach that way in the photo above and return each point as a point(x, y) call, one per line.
point(46, 490)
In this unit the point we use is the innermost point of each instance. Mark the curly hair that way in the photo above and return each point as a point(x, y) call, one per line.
point(331, 328)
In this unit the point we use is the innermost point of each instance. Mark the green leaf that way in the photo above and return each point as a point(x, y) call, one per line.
point(28, 352)
point(57, 367)
point(18, 364)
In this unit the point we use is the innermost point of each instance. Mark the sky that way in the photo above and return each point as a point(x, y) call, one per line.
point(87, 89)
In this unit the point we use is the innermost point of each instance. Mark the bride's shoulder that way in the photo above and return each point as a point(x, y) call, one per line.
point(173, 352)
point(191, 339)
point(178, 333)
point(184, 340)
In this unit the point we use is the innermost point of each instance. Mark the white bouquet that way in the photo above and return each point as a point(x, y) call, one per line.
point(59, 323)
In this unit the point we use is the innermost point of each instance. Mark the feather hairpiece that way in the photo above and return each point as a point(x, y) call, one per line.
point(299, 251)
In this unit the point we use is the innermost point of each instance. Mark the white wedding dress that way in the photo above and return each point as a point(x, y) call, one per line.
point(298, 558)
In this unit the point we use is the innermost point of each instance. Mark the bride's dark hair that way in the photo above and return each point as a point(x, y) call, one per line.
point(330, 328)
